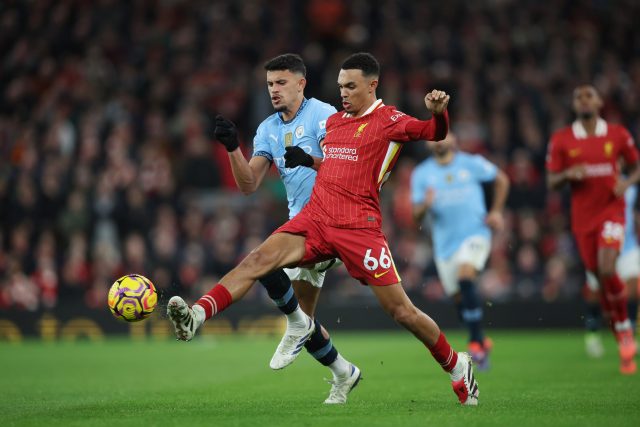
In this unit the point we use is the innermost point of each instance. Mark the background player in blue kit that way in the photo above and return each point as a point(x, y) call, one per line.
point(290, 138)
point(448, 187)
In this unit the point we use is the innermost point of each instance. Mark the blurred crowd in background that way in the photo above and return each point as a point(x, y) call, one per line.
point(107, 165)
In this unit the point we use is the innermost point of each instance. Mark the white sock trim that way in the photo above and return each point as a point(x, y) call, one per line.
point(297, 319)
point(457, 373)
point(623, 326)
point(340, 367)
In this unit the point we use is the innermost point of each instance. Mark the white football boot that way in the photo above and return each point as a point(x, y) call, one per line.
point(340, 387)
point(185, 321)
point(593, 345)
point(291, 345)
point(466, 388)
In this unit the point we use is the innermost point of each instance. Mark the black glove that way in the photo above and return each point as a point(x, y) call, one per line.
point(226, 133)
point(296, 156)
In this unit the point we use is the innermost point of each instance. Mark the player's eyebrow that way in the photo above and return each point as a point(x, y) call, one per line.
point(347, 84)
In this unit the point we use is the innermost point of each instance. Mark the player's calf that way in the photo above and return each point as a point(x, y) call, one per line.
point(299, 325)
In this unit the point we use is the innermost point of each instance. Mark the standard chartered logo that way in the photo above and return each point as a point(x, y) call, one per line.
point(599, 169)
point(342, 153)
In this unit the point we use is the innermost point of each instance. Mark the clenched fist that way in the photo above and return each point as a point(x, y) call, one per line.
point(436, 101)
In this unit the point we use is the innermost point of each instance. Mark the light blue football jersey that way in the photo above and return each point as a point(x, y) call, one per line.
point(305, 130)
point(458, 209)
point(630, 237)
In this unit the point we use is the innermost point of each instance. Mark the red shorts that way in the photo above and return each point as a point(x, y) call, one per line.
point(610, 234)
point(364, 251)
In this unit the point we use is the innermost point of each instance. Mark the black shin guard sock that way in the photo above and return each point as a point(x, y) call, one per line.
point(278, 286)
point(632, 309)
point(320, 347)
point(459, 309)
point(471, 310)
point(593, 317)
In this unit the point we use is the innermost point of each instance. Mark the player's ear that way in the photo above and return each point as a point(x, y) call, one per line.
point(373, 84)
point(302, 83)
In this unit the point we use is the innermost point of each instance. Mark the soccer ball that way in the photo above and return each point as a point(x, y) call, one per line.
point(132, 298)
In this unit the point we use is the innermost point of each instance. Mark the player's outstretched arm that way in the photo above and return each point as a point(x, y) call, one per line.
point(247, 174)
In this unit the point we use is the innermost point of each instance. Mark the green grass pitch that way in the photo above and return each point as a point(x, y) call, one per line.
point(537, 379)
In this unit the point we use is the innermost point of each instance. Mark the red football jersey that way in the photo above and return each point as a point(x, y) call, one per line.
point(592, 199)
point(359, 153)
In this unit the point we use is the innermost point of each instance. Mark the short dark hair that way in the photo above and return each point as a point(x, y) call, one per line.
point(586, 84)
point(362, 61)
point(288, 61)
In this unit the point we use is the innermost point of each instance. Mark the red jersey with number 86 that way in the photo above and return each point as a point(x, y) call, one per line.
point(592, 199)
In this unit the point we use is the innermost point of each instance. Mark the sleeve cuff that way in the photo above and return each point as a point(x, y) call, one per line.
point(265, 154)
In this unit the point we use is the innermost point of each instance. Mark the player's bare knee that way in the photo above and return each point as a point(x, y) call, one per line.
point(467, 272)
point(259, 262)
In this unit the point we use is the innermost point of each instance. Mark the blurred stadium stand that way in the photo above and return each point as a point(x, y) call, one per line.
point(107, 164)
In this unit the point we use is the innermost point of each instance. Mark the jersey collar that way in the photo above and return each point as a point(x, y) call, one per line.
point(579, 132)
point(304, 103)
point(370, 110)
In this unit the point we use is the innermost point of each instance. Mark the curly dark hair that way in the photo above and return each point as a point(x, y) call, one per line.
point(362, 61)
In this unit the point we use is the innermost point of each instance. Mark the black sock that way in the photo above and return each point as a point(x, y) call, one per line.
point(459, 310)
point(471, 310)
point(632, 309)
point(278, 286)
point(320, 347)
point(593, 317)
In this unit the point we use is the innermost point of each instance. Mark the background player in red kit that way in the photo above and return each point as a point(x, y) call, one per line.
point(587, 155)
point(342, 218)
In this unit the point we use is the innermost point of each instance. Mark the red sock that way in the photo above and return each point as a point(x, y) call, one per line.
point(444, 354)
point(616, 295)
point(215, 301)
point(607, 311)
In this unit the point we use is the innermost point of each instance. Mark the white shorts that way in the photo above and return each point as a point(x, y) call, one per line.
point(474, 251)
point(628, 264)
point(314, 275)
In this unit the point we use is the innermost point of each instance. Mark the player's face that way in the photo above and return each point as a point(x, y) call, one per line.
point(586, 102)
point(442, 148)
point(356, 90)
point(286, 89)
